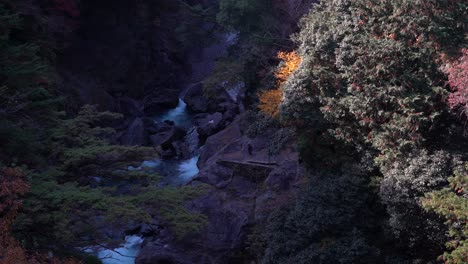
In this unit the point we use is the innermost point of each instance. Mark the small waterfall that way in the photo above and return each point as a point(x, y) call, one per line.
point(179, 115)
point(193, 141)
point(188, 169)
point(125, 254)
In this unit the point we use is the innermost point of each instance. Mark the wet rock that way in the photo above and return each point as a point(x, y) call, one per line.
point(168, 154)
point(159, 102)
point(150, 125)
point(166, 134)
point(195, 99)
point(182, 150)
point(208, 124)
point(156, 253)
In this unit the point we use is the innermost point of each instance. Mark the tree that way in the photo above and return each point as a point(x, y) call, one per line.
point(452, 204)
point(458, 80)
point(401, 189)
point(327, 224)
point(370, 67)
point(27, 100)
point(13, 187)
point(370, 78)
point(270, 100)
point(67, 207)
point(247, 17)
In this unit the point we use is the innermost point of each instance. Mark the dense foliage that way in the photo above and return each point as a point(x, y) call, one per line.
point(316, 229)
point(373, 82)
point(458, 81)
point(370, 67)
point(63, 182)
point(271, 99)
point(376, 90)
point(452, 204)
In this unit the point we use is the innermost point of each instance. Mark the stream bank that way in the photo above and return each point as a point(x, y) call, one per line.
point(199, 139)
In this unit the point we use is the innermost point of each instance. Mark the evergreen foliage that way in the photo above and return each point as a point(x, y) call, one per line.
point(67, 207)
point(317, 229)
point(76, 181)
point(26, 99)
point(255, 18)
point(370, 82)
point(370, 67)
point(452, 204)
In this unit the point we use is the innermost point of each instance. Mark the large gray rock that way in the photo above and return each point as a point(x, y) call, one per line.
point(158, 102)
point(195, 99)
point(216, 142)
point(166, 134)
point(208, 124)
point(247, 185)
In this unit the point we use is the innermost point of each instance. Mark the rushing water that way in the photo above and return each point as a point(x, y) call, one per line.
point(125, 254)
point(174, 172)
point(179, 115)
point(188, 169)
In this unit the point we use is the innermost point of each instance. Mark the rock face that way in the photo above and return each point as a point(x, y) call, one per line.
point(195, 98)
point(120, 51)
point(208, 124)
point(166, 133)
point(136, 134)
point(247, 184)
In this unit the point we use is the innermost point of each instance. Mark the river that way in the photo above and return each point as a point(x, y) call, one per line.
point(174, 172)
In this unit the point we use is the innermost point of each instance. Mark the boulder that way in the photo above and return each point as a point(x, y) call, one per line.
point(217, 141)
point(156, 253)
point(230, 111)
point(247, 185)
point(195, 99)
point(208, 124)
point(181, 149)
point(163, 100)
point(282, 177)
point(166, 134)
point(150, 125)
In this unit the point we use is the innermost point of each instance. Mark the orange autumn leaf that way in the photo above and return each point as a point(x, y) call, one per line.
point(269, 102)
point(291, 62)
point(271, 99)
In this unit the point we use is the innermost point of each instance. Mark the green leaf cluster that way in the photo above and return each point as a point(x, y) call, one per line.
point(452, 204)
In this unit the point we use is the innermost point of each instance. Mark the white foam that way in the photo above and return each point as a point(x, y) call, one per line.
point(125, 254)
point(179, 115)
point(188, 169)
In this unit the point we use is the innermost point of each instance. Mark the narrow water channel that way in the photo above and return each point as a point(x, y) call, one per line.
point(174, 172)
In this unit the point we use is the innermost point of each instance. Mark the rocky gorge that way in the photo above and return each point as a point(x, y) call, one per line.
point(125, 57)
point(233, 131)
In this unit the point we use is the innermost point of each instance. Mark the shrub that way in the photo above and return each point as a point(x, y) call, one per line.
point(370, 68)
point(452, 203)
point(326, 225)
point(458, 81)
point(400, 190)
point(270, 100)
